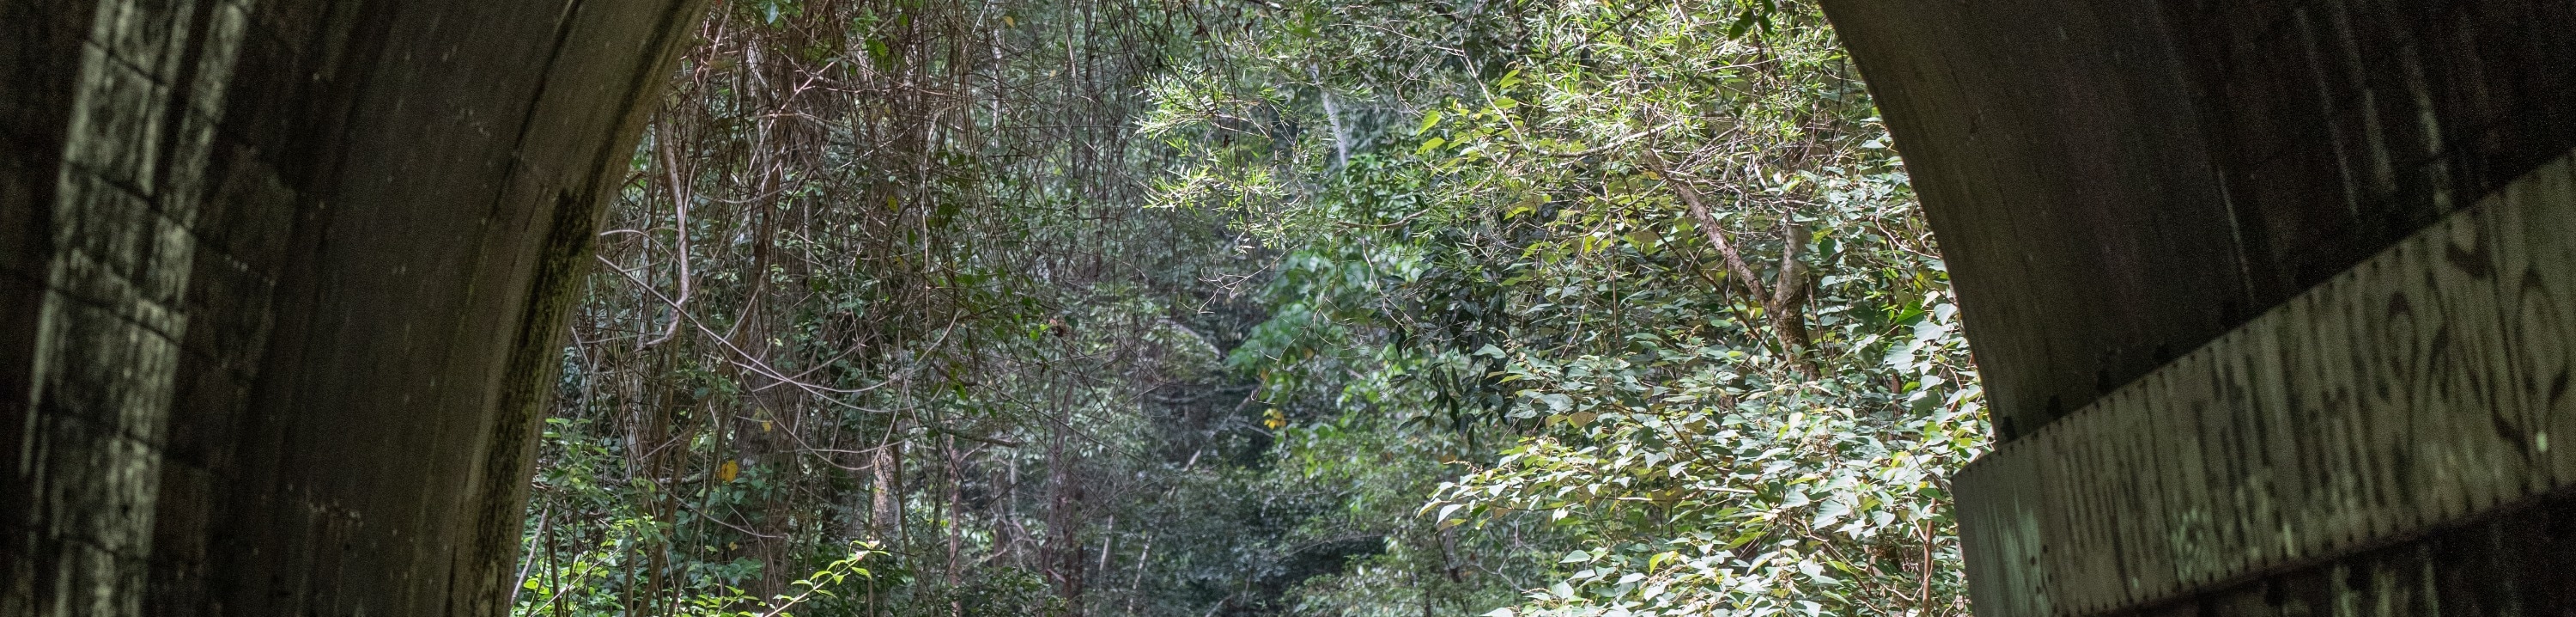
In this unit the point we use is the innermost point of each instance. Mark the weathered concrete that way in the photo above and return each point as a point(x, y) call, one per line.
point(2416, 390)
point(282, 285)
point(2278, 186)
point(2115, 183)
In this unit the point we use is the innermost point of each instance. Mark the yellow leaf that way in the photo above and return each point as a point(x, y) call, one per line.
point(726, 472)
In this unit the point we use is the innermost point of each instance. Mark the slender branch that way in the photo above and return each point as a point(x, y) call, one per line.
point(679, 203)
point(1783, 302)
point(1708, 225)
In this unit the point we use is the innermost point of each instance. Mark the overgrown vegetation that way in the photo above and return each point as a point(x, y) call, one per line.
point(1129, 307)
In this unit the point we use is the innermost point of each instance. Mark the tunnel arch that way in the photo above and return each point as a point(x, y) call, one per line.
point(2271, 299)
point(282, 286)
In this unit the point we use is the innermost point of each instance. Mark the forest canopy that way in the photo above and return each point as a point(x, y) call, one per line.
point(1259, 307)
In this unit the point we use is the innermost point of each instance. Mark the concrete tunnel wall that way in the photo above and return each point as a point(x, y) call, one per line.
point(282, 285)
point(2272, 300)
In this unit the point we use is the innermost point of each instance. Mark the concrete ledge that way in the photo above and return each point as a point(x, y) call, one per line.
point(2420, 388)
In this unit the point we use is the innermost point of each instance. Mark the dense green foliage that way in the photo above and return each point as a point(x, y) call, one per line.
point(1293, 307)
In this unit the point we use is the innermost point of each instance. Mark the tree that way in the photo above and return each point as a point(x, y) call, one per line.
point(1202, 309)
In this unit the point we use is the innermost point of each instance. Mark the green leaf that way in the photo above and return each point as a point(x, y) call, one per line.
point(1832, 510)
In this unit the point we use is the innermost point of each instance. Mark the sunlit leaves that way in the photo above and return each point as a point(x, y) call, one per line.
point(1505, 238)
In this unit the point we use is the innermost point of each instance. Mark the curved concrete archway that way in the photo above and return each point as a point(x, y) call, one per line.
point(282, 285)
point(2272, 300)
